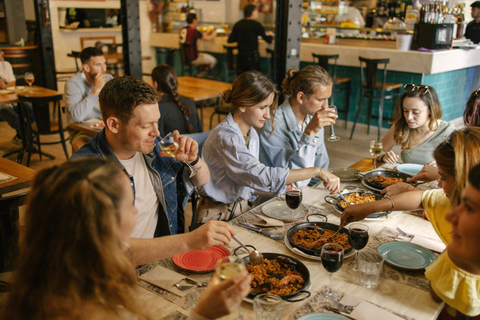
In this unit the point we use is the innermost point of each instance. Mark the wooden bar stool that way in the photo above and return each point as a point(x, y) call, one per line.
point(186, 62)
point(373, 89)
point(339, 83)
point(270, 62)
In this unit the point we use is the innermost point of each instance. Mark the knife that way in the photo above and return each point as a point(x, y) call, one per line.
point(267, 233)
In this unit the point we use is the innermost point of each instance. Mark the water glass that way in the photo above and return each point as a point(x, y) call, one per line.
point(369, 269)
point(193, 296)
point(267, 306)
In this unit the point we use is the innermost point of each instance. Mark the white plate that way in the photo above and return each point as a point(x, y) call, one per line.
point(17, 88)
point(279, 210)
point(410, 168)
point(308, 256)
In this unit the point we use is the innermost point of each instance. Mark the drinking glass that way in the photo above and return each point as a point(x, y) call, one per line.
point(29, 79)
point(358, 238)
point(170, 147)
point(267, 306)
point(332, 260)
point(227, 268)
point(369, 269)
point(376, 147)
point(294, 200)
point(333, 137)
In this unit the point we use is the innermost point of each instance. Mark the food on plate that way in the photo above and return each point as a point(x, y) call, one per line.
point(357, 198)
point(384, 181)
point(277, 276)
point(310, 238)
point(99, 125)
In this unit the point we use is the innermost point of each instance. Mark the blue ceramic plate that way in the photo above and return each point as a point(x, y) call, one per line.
point(406, 255)
point(322, 316)
point(410, 168)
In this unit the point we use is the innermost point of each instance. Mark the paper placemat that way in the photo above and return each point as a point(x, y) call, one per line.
point(165, 279)
point(6, 177)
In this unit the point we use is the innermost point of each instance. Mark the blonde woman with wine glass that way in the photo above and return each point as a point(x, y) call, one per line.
point(298, 139)
point(417, 127)
point(232, 151)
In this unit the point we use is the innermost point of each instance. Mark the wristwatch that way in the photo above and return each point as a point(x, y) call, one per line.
point(194, 162)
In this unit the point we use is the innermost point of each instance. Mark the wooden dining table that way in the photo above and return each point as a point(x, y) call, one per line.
point(199, 89)
point(405, 293)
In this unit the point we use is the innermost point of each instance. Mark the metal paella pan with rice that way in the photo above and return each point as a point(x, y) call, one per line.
point(380, 179)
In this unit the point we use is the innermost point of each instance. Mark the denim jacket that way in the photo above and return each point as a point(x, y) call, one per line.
point(170, 182)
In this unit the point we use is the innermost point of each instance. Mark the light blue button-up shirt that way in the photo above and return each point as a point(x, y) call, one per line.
point(235, 171)
point(289, 147)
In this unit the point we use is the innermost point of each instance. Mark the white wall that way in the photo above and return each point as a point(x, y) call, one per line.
point(29, 9)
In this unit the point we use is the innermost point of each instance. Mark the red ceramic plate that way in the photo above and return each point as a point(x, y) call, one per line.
point(200, 260)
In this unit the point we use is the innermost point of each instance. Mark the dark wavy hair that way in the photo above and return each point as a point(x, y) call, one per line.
point(471, 115)
point(167, 83)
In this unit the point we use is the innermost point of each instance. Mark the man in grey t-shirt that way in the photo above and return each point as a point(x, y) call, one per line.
point(82, 90)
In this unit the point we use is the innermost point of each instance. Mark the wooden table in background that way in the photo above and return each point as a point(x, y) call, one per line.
point(84, 128)
point(24, 176)
point(366, 164)
point(199, 89)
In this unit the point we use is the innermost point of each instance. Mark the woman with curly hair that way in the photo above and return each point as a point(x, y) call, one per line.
point(177, 112)
point(417, 127)
point(74, 256)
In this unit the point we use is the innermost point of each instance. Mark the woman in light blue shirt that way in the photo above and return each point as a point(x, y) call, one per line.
point(297, 141)
point(232, 153)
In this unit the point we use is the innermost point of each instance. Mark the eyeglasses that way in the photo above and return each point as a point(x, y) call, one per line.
point(409, 87)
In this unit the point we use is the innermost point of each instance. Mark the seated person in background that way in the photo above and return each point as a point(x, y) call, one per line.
point(232, 151)
point(82, 90)
point(417, 127)
point(130, 111)
point(74, 257)
point(471, 118)
point(455, 157)
point(76, 18)
point(297, 141)
point(455, 275)
point(190, 35)
point(246, 32)
point(178, 113)
point(9, 112)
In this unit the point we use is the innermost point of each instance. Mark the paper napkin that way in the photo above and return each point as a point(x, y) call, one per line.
point(364, 310)
point(430, 244)
point(165, 279)
point(264, 221)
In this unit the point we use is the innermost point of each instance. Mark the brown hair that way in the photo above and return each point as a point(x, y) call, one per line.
point(474, 177)
point(167, 83)
point(71, 254)
point(121, 95)
point(471, 115)
point(89, 52)
point(457, 155)
point(403, 135)
point(249, 89)
point(305, 80)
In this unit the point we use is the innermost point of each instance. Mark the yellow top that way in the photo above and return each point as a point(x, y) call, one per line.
point(458, 288)
point(437, 205)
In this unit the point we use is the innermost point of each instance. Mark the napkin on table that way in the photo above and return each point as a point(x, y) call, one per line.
point(430, 244)
point(264, 221)
point(165, 279)
point(364, 310)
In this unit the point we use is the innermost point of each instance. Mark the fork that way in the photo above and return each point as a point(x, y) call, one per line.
point(404, 234)
point(182, 287)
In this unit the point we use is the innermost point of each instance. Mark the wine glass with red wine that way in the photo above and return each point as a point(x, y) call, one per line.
point(358, 238)
point(294, 200)
point(332, 260)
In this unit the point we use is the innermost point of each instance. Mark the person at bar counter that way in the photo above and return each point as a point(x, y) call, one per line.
point(472, 31)
point(74, 257)
point(455, 274)
point(130, 111)
point(455, 157)
point(298, 139)
point(82, 91)
point(190, 35)
point(232, 151)
point(178, 113)
point(246, 32)
point(417, 127)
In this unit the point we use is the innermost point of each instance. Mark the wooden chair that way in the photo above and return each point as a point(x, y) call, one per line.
point(66, 74)
point(339, 83)
point(221, 108)
point(373, 89)
point(43, 125)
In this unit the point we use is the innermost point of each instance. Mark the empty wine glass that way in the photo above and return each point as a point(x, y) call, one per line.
point(333, 137)
point(376, 147)
point(358, 238)
point(29, 78)
point(332, 260)
point(170, 147)
point(294, 200)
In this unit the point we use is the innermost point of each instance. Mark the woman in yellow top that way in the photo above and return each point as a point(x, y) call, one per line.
point(455, 157)
point(455, 275)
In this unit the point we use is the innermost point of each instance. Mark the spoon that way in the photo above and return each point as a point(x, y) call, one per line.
point(343, 198)
point(254, 256)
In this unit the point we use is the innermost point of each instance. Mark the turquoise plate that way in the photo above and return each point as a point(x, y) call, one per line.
point(410, 168)
point(322, 316)
point(406, 255)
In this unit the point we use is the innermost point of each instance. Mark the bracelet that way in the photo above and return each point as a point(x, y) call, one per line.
point(411, 186)
point(321, 169)
point(383, 157)
point(194, 162)
point(393, 206)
